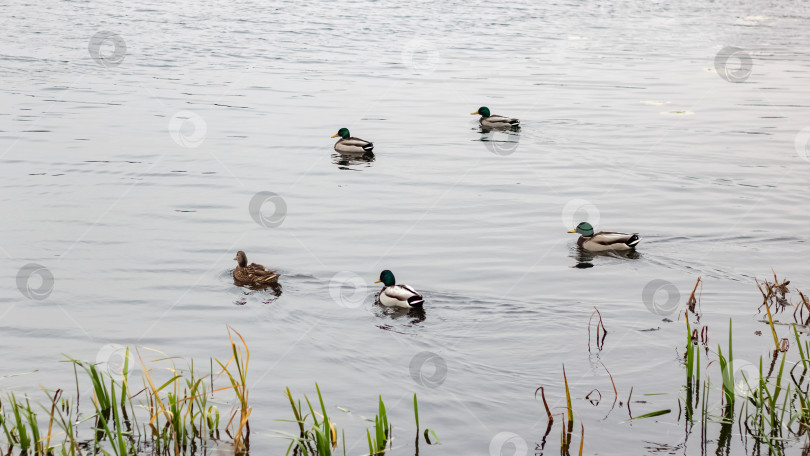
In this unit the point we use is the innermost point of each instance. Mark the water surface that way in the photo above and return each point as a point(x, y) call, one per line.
point(625, 121)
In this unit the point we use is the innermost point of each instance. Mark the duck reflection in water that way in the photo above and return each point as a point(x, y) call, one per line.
point(272, 293)
point(353, 160)
point(499, 141)
point(268, 294)
point(584, 258)
point(408, 317)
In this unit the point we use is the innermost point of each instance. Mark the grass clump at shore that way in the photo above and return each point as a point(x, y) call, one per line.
point(318, 435)
point(766, 402)
point(166, 411)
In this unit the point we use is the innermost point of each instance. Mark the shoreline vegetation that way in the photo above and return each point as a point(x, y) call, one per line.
point(171, 412)
point(767, 402)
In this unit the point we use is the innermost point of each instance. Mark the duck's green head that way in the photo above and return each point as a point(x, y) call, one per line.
point(387, 278)
point(584, 229)
point(483, 110)
point(343, 133)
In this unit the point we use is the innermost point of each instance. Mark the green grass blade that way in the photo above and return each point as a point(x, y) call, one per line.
point(416, 412)
point(651, 414)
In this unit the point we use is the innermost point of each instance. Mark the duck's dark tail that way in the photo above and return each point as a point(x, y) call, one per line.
point(634, 239)
point(416, 301)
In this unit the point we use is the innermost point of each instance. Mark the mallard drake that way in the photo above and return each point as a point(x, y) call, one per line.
point(604, 240)
point(495, 121)
point(393, 295)
point(347, 144)
point(252, 274)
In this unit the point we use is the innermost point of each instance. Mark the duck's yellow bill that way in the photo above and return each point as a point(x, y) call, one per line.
point(572, 231)
point(377, 281)
point(335, 135)
point(474, 113)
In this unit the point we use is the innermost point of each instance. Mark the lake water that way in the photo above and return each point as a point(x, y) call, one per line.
point(129, 174)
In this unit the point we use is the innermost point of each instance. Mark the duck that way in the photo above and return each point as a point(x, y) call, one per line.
point(252, 274)
point(604, 240)
point(393, 295)
point(495, 121)
point(347, 144)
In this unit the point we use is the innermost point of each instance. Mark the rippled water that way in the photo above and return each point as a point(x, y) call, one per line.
point(130, 179)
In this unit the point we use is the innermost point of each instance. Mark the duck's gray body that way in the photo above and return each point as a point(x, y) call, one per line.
point(400, 296)
point(499, 122)
point(353, 145)
point(606, 240)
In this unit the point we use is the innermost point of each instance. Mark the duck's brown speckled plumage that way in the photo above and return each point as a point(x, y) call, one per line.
point(252, 274)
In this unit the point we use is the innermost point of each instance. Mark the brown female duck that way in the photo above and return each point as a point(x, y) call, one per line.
point(252, 274)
